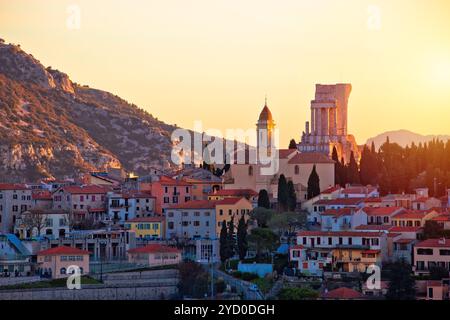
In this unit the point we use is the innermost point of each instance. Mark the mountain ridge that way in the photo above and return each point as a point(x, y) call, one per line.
point(53, 127)
point(404, 137)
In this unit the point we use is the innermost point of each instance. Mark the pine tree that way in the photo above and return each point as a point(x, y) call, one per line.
point(263, 199)
point(292, 144)
point(292, 196)
point(313, 184)
point(242, 238)
point(282, 193)
point(223, 242)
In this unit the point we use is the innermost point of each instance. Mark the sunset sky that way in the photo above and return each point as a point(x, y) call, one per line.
point(210, 60)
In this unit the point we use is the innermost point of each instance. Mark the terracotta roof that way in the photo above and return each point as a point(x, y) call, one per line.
point(434, 283)
point(96, 209)
point(265, 114)
point(153, 248)
point(405, 229)
point(442, 218)
point(331, 190)
point(285, 153)
point(434, 243)
point(62, 251)
point(342, 293)
point(146, 219)
point(298, 246)
point(410, 215)
point(374, 227)
point(235, 193)
point(359, 190)
point(371, 251)
point(342, 202)
point(338, 213)
point(339, 233)
point(381, 211)
point(87, 189)
point(13, 186)
point(41, 195)
point(373, 200)
point(307, 157)
point(404, 241)
point(228, 201)
point(168, 181)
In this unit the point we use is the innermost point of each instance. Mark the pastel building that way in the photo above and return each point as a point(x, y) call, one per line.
point(14, 199)
point(125, 206)
point(54, 224)
point(431, 253)
point(55, 262)
point(147, 227)
point(86, 201)
point(168, 192)
point(350, 250)
point(155, 255)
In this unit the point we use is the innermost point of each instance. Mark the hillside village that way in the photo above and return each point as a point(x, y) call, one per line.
point(287, 237)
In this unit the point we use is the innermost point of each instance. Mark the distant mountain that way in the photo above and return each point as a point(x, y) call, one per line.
point(404, 138)
point(52, 127)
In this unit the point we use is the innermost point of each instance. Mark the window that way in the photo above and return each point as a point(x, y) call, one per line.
point(341, 241)
point(185, 223)
point(304, 240)
point(296, 253)
point(170, 225)
point(297, 170)
point(187, 189)
point(170, 214)
point(207, 214)
point(444, 252)
point(197, 214)
point(166, 189)
point(250, 171)
point(62, 271)
point(350, 241)
point(221, 212)
point(196, 223)
point(175, 199)
point(230, 212)
point(318, 240)
point(330, 241)
point(425, 252)
point(185, 214)
point(166, 199)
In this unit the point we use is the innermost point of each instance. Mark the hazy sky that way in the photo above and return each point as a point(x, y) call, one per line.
point(187, 60)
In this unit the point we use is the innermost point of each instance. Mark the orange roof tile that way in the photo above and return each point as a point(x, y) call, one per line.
point(146, 219)
point(310, 158)
point(434, 243)
point(62, 250)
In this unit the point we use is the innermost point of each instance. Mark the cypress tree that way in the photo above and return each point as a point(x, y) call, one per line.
point(230, 238)
point(263, 199)
point(242, 238)
point(353, 172)
point(292, 196)
point(223, 242)
point(292, 144)
point(282, 193)
point(337, 167)
point(313, 184)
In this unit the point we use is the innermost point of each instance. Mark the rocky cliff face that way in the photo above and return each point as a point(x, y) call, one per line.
point(51, 127)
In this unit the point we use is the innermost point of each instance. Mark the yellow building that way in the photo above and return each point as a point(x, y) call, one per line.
point(147, 227)
point(355, 260)
point(232, 207)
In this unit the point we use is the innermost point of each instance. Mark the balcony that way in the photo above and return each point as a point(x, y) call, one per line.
point(116, 205)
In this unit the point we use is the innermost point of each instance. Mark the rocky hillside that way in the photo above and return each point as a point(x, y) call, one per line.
point(52, 127)
point(404, 138)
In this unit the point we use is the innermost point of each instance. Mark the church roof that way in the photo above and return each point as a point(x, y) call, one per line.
point(310, 158)
point(265, 114)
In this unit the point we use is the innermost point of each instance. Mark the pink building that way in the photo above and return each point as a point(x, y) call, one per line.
point(431, 253)
point(168, 192)
point(155, 255)
point(55, 262)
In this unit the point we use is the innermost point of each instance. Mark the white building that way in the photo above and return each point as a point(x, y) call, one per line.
point(126, 206)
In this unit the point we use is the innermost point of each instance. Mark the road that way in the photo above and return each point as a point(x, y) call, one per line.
point(240, 285)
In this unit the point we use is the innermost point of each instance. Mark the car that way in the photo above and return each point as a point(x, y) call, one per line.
point(253, 287)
